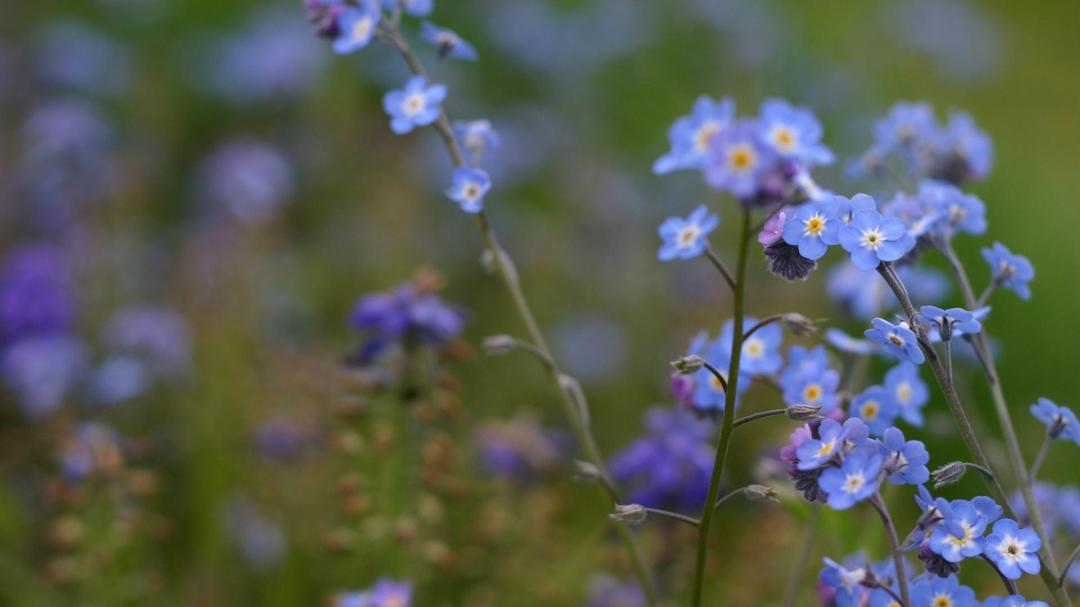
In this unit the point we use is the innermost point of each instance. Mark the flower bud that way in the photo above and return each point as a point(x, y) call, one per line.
point(798, 324)
point(633, 514)
point(802, 413)
point(586, 472)
point(497, 345)
point(949, 474)
point(756, 493)
point(689, 364)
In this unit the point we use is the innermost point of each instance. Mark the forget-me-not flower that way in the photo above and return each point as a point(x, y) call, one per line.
point(854, 481)
point(875, 407)
point(1060, 421)
point(417, 104)
point(691, 135)
point(1010, 271)
point(447, 42)
point(905, 460)
point(469, 188)
point(476, 136)
point(814, 227)
point(950, 323)
point(908, 390)
point(793, 132)
point(834, 440)
point(356, 27)
point(416, 8)
point(738, 159)
point(898, 339)
point(1013, 550)
point(871, 239)
point(687, 238)
point(941, 592)
point(960, 534)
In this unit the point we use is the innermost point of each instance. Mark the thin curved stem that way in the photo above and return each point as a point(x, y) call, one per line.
point(987, 292)
point(731, 494)
point(728, 422)
point(507, 272)
point(719, 263)
point(967, 433)
point(762, 323)
point(1043, 450)
point(1010, 586)
point(1012, 443)
point(756, 416)
point(716, 373)
point(894, 544)
point(1068, 563)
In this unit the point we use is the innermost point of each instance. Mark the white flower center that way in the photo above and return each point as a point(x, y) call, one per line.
point(414, 104)
point(903, 393)
point(854, 482)
point(754, 348)
point(1012, 549)
point(362, 28)
point(688, 235)
point(784, 138)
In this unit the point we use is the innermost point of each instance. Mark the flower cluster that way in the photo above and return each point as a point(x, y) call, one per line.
point(384, 593)
point(410, 315)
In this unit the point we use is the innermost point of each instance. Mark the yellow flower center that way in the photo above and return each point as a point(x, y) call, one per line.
point(815, 225)
point(942, 600)
point(705, 134)
point(895, 340)
point(903, 393)
point(872, 239)
point(812, 393)
point(742, 158)
point(825, 449)
point(784, 138)
point(714, 382)
point(870, 409)
point(754, 348)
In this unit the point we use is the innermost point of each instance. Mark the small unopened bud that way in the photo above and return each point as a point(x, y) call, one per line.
point(633, 514)
point(587, 472)
point(1058, 427)
point(802, 413)
point(688, 364)
point(757, 493)
point(949, 474)
point(798, 324)
point(577, 396)
point(496, 345)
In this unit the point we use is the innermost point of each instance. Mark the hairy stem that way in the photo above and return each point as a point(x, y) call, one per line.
point(682, 518)
point(1035, 465)
point(756, 416)
point(1012, 443)
point(728, 422)
point(507, 272)
point(719, 264)
point(894, 544)
point(963, 424)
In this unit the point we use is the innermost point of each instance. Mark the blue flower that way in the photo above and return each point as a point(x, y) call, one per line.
point(447, 42)
point(356, 27)
point(738, 160)
point(898, 339)
point(389, 593)
point(691, 135)
point(875, 407)
point(847, 207)
point(960, 534)
point(905, 461)
point(669, 466)
point(416, 8)
point(847, 583)
point(1060, 422)
point(709, 396)
point(1014, 600)
point(950, 323)
point(909, 392)
point(954, 210)
point(406, 313)
point(807, 380)
point(469, 188)
point(871, 239)
point(1010, 271)
point(834, 440)
point(1013, 549)
point(970, 145)
point(687, 238)
point(476, 136)
point(41, 371)
point(906, 125)
point(846, 343)
point(760, 352)
point(793, 132)
point(855, 480)
point(814, 227)
point(606, 591)
point(936, 591)
point(415, 105)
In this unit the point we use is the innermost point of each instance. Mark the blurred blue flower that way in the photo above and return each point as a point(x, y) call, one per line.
point(806, 382)
point(692, 135)
point(1060, 422)
point(1010, 271)
point(477, 137)
point(955, 210)
point(871, 239)
point(417, 104)
point(793, 132)
point(606, 591)
point(391, 593)
point(906, 125)
point(248, 179)
point(760, 352)
point(469, 188)
point(908, 391)
point(447, 42)
point(357, 26)
point(1013, 550)
point(669, 466)
point(687, 238)
point(517, 449)
point(73, 55)
point(846, 343)
point(406, 313)
point(738, 160)
point(36, 296)
point(261, 541)
point(973, 148)
point(1014, 600)
point(931, 591)
point(845, 583)
point(898, 339)
point(876, 407)
point(41, 371)
point(416, 8)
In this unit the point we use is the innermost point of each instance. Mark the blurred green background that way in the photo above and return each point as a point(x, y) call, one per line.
point(583, 93)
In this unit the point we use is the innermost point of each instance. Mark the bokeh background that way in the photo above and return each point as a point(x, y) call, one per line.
point(215, 163)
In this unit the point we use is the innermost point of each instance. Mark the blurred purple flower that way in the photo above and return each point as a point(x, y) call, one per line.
point(36, 296)
point(607, 591)
point(402, 315)
point(75, 56)
point(41, 371)
point(251, 180)
point(517, 449)
point(261, 540)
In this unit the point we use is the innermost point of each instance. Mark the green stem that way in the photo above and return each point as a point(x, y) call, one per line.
point(963, 424)
point(507, 272)
point(728, 423)
point(1035, 465)
point(894, 544)
point(756, 416)
point(719, 264)
point(1012, 443)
